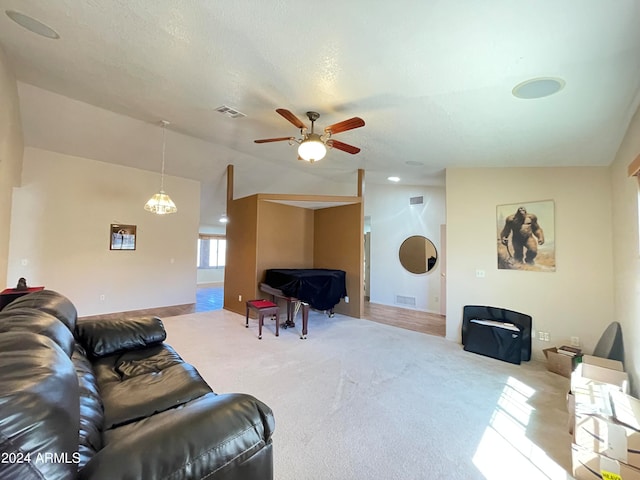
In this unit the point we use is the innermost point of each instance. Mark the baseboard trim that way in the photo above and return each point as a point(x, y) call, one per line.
point(171, 311)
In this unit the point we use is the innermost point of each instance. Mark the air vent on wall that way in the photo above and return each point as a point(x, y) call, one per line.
point(230, 112)
point(416, 200)
point(402, 300)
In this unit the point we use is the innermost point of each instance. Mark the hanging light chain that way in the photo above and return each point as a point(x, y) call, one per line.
point(164, 143)
point(161, 203)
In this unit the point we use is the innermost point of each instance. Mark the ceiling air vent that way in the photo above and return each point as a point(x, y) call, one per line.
point(230, 112)
point(416, 200)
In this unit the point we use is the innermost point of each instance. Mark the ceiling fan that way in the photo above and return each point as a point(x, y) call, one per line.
point(312, 146)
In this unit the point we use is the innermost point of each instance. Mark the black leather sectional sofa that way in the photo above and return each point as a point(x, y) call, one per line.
point(109, 400)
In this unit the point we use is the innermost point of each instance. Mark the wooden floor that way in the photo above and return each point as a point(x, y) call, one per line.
point(415, 320)
point(423, 322)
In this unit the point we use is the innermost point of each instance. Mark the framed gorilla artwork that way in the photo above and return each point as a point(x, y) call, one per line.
point(526, 236)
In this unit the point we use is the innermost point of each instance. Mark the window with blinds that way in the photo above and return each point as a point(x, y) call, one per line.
point(211, 251)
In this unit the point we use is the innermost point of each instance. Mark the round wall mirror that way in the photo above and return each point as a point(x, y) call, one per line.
point(418, 254)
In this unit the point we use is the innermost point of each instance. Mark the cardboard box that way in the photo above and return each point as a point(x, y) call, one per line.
point(591, 384)
point(603, 362)
point(592, 399)
point(588, 465)
point(606, 436)
point(560, 363)
point(586, 374)
point(571, 408)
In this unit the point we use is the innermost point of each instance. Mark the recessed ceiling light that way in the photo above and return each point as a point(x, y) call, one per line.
point(393, 179)
point(538, 87)
point(32, 24)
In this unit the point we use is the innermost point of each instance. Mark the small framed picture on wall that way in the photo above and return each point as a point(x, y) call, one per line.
point(123, 237)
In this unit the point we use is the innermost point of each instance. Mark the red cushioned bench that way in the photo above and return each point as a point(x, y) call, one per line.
point(262, 308)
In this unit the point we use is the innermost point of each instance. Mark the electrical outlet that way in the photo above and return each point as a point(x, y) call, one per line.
point(480, 273)
point(541, 336)
point(102, 297)
point(546, 336)
point(346, 299)
point(575, 341)
point(239, 298)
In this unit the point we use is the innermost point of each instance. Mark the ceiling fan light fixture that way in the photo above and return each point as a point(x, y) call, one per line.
point(312, 148)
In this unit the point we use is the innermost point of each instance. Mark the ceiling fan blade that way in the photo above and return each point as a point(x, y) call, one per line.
point(350, 124)
point(267, 140)
point(345, 147)
point(291, 117)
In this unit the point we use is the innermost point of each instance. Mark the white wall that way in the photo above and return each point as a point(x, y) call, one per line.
point(60, 228)
point(11, 148)
point(211, 276)
point(576, 299)
point(626, 250)
point(393, 219)
point(57, 123)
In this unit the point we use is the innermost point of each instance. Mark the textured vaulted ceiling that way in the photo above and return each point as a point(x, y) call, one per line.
point(432, 80)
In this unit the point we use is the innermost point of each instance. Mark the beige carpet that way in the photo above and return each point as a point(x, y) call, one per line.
point(362, 400)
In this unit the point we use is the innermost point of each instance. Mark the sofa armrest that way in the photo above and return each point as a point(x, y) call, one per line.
point(213, 437)
point(106, 337)
point(39, 408)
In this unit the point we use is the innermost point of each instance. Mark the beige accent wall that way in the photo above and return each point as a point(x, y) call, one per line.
point(11, 152)
point(626, 250)
point(285, 237)
point(339, 244)
point(575, 300)
point(263, 233)
point(241, 261)
point(60, 231)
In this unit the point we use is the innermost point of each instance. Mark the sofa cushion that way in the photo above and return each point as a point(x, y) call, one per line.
point(38, 407)
point(145, 395)
point(117, 368)
point(214, 436)
point(36, 321)
point(51, 302)
point(106, 337)
point(140, 383)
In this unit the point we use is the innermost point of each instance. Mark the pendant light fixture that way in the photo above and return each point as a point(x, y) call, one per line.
point(161, 203)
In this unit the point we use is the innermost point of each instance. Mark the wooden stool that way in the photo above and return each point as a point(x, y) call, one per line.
point(262, 308)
